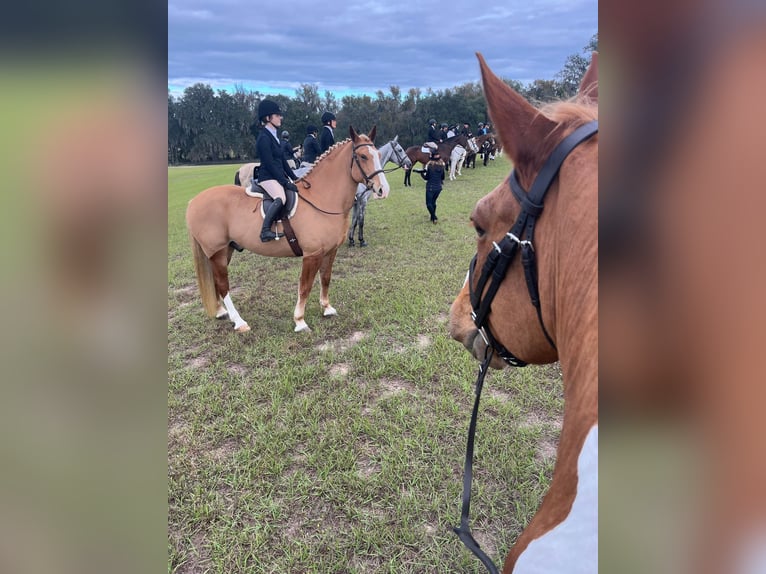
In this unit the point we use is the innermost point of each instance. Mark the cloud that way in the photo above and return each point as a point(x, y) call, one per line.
point(372, 45)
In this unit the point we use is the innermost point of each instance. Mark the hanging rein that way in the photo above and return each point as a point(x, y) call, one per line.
point(494, 271)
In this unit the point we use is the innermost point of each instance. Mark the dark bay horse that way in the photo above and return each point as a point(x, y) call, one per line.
point(504, 319)
point(222, 214)
point(416, 154)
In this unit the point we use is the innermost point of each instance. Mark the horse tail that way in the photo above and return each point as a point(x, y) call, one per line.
point(205, 279)
point(236, 178)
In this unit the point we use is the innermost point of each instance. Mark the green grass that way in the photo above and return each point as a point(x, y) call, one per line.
point(341, 449)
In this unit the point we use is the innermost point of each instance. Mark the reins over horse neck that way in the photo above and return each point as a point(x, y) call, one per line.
point(307, 183)
point(495, 268)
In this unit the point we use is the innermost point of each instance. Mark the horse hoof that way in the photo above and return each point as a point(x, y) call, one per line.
point(329, 311)
point(362, 244)
point(350, 242)
point(222, 314)
point(301, 327)
point(242, 328)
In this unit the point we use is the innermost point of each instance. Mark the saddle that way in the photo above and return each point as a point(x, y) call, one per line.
point(291, 199)
point(428, 147)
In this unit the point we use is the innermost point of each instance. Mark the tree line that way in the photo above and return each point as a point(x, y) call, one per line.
point(209, 126)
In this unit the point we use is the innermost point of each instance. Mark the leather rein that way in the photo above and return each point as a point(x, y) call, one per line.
point(494, 271)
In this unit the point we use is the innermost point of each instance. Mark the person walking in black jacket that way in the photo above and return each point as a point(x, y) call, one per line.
point(434, 176)
point(274, 174)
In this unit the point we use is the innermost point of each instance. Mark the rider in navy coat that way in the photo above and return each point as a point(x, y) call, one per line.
point(327, 137)
point(274, 174)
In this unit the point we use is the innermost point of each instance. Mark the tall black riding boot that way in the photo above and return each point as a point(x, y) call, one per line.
point(274, 210)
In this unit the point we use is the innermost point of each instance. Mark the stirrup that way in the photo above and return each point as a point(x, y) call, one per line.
point(269, 235)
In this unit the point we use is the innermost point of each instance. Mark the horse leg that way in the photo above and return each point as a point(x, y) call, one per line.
point(308, 274)
point(407, 173)
point(219, 263)
point(222, 313)
point(325, 272)
point(362, 211)
point(354, 221)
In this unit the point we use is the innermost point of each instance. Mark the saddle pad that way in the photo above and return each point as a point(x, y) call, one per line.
point(292, 202)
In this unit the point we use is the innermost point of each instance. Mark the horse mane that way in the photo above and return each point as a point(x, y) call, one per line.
point(327, 152)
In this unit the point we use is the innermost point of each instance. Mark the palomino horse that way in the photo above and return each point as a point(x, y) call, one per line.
point(392, 152)
point(555, 150)
point(416, 154)
point(224, 214)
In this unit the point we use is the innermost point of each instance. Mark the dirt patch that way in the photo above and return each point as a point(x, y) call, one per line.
point(198, 558)
point(502, 396)
point(423, 342)
point(442, 318)
point(391, 387)
point(340, 370)
point(238, 370)
point(225, 450)
point(343, 344)
point(197, 362)
point(367, 467)
point(546, 451)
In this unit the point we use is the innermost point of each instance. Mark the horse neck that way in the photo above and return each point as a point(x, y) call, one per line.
point(386, 152)
point(331, 181)
point(573, 274)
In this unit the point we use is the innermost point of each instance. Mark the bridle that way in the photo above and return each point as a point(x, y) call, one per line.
point(494, 271)
point(355, 159)
point(399, 158)
point(394, 152)
point(503, 253)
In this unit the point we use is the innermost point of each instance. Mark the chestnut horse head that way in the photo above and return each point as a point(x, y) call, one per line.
point(531, 295)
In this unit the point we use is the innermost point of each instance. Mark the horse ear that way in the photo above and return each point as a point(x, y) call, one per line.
point(371, 135)
point(518, 125)
point(589, 83)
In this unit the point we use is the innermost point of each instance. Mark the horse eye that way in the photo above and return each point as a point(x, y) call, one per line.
point(479, 230)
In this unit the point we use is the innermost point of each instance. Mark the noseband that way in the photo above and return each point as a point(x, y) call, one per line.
point(494, 270)
point(503, 253)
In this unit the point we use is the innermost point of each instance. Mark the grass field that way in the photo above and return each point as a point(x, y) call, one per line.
point(341, 449)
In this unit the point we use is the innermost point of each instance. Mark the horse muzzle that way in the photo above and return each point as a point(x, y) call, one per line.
point(462, 329)
point(381, 191)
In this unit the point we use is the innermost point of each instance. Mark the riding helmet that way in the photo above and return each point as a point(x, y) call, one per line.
point(267, 108)
point(285, 135)
point(311, 129)
point(327, 117)
point(431, 121)
point(444, 125)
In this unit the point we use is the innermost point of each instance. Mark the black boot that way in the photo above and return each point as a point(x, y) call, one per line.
point(274, 210)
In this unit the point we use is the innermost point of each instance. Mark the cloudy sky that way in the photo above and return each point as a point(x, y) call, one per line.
point(369, 45)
